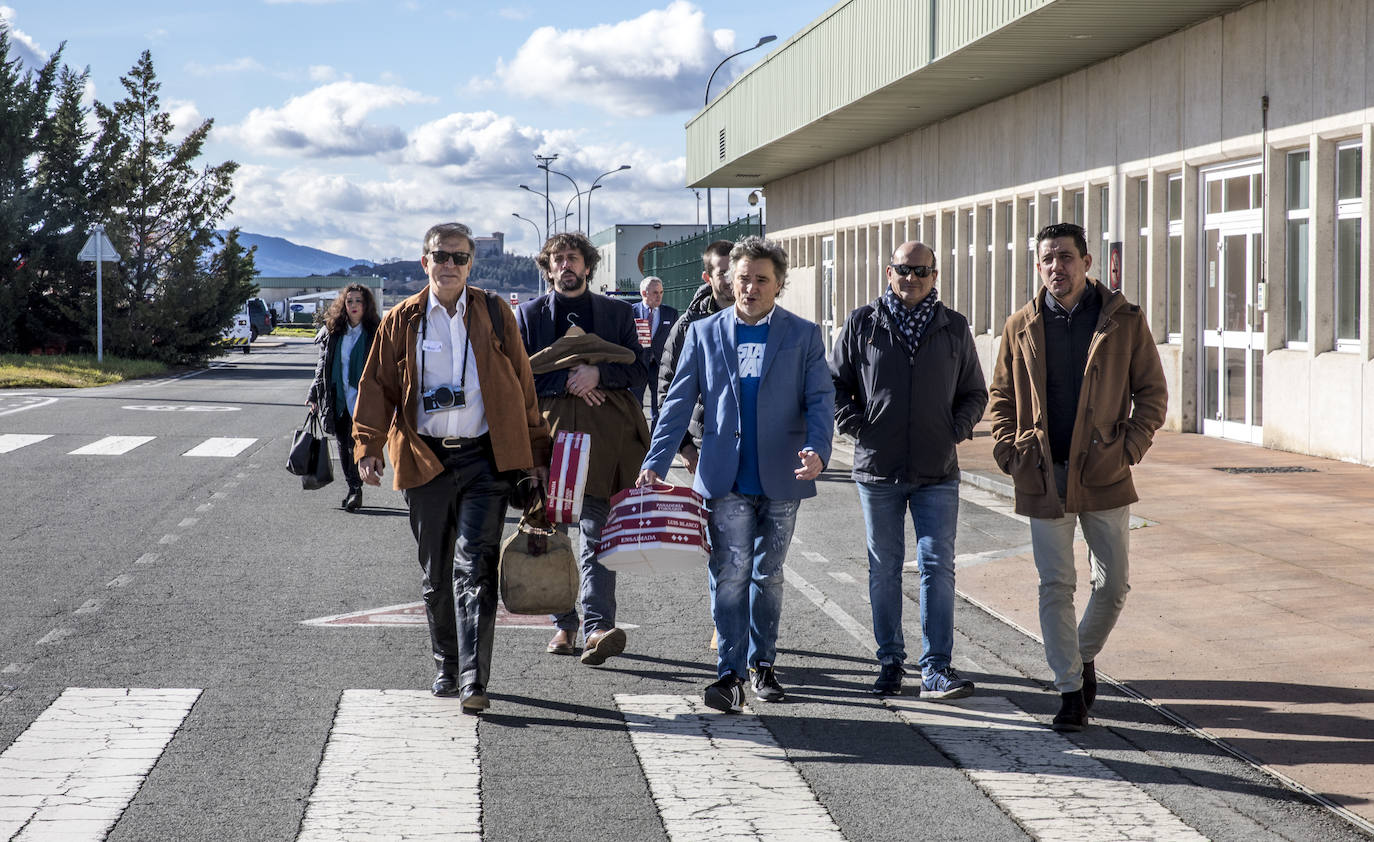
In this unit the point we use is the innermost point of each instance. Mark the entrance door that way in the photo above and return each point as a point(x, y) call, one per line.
point(827, 309)
point(1232, 336)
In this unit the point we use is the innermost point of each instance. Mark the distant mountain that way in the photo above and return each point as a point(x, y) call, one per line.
point(281, 258)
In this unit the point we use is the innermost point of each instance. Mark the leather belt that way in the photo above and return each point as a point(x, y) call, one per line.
point(455, 443)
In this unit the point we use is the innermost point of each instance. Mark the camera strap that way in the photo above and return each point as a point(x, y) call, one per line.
point(467, 343)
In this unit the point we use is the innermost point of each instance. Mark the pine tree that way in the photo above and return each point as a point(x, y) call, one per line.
point(161, 216)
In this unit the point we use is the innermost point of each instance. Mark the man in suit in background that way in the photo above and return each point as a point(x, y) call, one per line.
point(660, 318)
point(762, 375)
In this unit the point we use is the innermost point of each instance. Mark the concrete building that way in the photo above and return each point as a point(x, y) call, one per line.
point(279, 293)
point(623, 247)
point(1214, 150)
point(493, 246)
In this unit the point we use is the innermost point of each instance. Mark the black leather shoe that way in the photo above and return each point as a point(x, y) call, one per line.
point(1089, 684)
point(889, 681)
point(474, 699)
point(1073, 713)
point(445, 685)
point(354, 500)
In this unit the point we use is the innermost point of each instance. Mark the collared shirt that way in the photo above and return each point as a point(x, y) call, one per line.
point(350, 338)
point(763, 321)
point(441, 346)
point(653, 320)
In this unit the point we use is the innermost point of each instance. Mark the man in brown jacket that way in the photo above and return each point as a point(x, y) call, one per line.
point(451, 394)
point(1076, 397)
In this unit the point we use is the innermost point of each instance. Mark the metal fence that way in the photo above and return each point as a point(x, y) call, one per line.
point(679, 262)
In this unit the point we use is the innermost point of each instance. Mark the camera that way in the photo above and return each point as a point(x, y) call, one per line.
point(443, 399)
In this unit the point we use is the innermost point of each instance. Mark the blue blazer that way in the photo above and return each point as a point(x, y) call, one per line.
point(666, 316)
point(795, 408)
point(612, 320)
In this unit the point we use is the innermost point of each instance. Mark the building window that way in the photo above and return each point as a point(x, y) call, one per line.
point(1173, 291)
point(1054, 210)
point(1299, 213)
point(1142, 251)
point(1005, 260)
point(1077, 203)
point(1104, 226)
point(1032, 281)
point(984, 294)
point(1348, 217)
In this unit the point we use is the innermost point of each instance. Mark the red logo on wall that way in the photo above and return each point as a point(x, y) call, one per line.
point(645, 251)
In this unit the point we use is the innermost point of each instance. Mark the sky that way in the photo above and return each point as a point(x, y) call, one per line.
point(357, 124)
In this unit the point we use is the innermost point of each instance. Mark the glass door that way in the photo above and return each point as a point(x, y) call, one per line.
point(828, 291)
point(1232, 338)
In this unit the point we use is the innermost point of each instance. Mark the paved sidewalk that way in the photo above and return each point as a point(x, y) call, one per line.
point(1251, 613)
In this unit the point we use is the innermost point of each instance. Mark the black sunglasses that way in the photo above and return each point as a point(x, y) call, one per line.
point(460, 258)
point(919, 271)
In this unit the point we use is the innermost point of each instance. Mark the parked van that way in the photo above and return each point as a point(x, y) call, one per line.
point(239, 335)
point(259, 320)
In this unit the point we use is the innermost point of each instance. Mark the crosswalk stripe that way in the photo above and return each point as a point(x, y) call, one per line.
point(718, 776)
point(14, 441)
point(1053, 789)
point(399, 764)
point(71, 774)
point(220, 447)
point(112, 446)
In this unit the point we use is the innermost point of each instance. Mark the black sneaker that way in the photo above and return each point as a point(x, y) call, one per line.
point(726, 694)
point(765, 681)
point(889, 681)
point(1073, 713)
point(1089, 684)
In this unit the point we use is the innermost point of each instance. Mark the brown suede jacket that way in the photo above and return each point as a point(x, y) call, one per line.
point(388, 403)
point(1121, 405)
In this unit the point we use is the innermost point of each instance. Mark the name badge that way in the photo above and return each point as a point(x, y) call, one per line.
point(432, 345)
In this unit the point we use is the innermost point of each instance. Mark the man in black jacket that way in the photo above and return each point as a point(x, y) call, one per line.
point(714, 295)
point(908, 388)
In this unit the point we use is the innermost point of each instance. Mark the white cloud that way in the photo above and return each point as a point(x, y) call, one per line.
point(481, 144)
point(185, 117)
point(22, 45)
point(330, 120)
point(325, 73)
point(655, 63)
point(514, 14)
point(243, 64)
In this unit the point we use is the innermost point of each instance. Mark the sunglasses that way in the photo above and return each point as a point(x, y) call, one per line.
point(460, 258)
point(919, 271)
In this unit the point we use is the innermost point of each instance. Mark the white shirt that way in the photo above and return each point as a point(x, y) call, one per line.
point(763, 321)
point(350, 338)
point(440, 348)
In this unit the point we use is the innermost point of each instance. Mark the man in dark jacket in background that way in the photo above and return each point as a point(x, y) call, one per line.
point(908, 388)
point(715, 294)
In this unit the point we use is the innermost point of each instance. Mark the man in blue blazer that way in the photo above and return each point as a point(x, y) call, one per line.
point(762, 374)
point(660, 318)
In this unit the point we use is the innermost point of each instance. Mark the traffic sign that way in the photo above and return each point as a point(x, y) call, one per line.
point(99, 247)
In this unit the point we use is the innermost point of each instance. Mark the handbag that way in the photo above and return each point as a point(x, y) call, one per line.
point(538, 572)
point(321, 468)
point(656, 529)
point(298, 457)
point(568, 476)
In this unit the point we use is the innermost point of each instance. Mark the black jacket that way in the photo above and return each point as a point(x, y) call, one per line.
point(906, 413)
point(612, 320)
point(703, 304)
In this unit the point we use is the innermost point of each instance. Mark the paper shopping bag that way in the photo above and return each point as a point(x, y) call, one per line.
point(568, 476)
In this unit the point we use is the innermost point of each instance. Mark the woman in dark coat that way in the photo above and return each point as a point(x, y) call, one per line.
point(344, 340)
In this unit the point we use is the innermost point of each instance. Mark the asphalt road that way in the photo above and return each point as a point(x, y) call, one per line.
point(156, 569)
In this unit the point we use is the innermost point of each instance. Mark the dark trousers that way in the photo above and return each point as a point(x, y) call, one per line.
point(343, 431)
point(457, 519)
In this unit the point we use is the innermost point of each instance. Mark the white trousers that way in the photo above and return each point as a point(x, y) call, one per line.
point(1069, 644)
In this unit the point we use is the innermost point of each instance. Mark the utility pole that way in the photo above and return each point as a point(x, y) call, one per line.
point(544, 161)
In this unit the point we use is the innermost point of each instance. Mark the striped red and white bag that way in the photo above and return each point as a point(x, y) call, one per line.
point(646, 336)
point(655, 529)
point(568, 476)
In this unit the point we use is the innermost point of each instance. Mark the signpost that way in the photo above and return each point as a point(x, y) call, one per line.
point(99, 249)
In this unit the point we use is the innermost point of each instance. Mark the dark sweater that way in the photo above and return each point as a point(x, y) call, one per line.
point(1067, 338)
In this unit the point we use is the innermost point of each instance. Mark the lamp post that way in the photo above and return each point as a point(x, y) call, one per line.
point(549, 210)
point(577, 191)
point(697, 193)
point(593, 187)
point(532, 225)
point(544, 161)
point(706, 100)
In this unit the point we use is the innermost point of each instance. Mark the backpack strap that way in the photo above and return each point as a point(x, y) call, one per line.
point(494, 313)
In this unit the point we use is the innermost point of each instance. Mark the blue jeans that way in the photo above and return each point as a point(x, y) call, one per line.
point(749, 539)
point(597, 594)
point(935, 514)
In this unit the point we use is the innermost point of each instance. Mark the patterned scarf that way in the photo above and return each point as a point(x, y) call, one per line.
point(911, 322)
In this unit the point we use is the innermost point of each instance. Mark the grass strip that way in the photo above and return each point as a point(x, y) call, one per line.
point(75, 371)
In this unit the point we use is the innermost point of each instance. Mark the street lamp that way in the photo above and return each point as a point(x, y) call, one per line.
point(544, 161)
point(567, 213)
point(549, 211)
point(589, 193)
point(706, 100)
point(577, 191)
point(532, 225)
point(697, 193)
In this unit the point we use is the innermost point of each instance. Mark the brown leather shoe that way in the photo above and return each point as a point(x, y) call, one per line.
point(601, 645)
point(564, 642)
